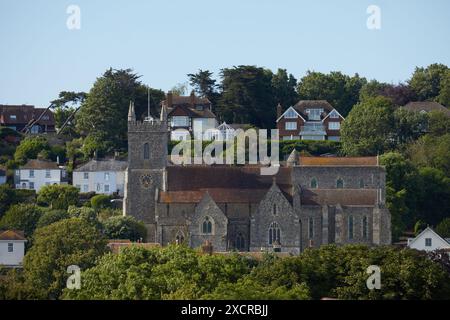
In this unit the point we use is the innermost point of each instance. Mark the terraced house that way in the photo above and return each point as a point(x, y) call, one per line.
point(311, 201)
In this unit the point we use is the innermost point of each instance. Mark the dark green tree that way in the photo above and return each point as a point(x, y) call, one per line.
point(443, 228)
point(284, 88)
point(204, 85)
point(120, 227)
point(58, 196)
point(426, 82)
point(23, 217)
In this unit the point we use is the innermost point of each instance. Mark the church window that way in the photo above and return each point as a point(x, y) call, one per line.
point(311, 228)
point(313, 183)
point(179, 238)
point(146, 151)
point(274, 233)
point(207, 226)
point(240, 242)
point(350, 227)
point(339, 183)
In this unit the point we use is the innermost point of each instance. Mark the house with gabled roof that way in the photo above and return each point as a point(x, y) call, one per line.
point(429, 240)
point(189, 117)
point(17, 117)
point(12, 248)
point(37, 173)
point(309, 120)
point(426, 106)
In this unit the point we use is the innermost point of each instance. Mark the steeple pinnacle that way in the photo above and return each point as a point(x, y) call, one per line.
point(131, 113)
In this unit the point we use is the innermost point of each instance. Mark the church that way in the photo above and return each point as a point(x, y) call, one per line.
point(310, 202)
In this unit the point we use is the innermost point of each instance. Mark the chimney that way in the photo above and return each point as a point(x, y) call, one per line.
point(57, 160)
point(279, 110)
point(169, 99)
point(193, 99)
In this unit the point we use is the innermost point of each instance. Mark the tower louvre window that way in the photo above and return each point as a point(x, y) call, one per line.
point(146, 151)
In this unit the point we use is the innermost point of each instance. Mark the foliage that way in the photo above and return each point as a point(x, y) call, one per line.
point(204, 85)
point(30, 147)
point(428, 82)
point(51, 216)
point(58, 196)
point(431, 151)
point(368, 129)
point(443, 228)
point(340, 90)
point(100, 201)
point(444, 92)
point(120, 227)
point(23, 217)
point(57, 246)
point(85, 214)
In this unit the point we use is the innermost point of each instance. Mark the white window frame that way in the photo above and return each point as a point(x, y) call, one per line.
point(334, 125)
point(48, 173)
point(31, 173)
point(86, 175)
point(106, 176)
point(290, 125)
point(10, 247)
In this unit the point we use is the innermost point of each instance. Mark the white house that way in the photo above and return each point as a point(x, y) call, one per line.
point(37, 173)
point(12, 248)
point(2, 176)
point(104, 176)
point(428, 240)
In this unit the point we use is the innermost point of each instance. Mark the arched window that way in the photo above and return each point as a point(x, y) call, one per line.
point(361, 183)
point(311, 228)
point(274, 233)
point(313, 183)
point(274, 210)
point(365, 228)
point(207, 226)
point(350, 227)
point(240, 242)
point(339, 183)
point(179, 239)
point(146, 151)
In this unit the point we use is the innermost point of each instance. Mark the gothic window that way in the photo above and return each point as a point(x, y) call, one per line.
point(350, 227)
point(311, 228)
point(207, 226)
point(365, 228)
point(339, 183)
point(313, 183)
point(240, 242)
point(179, 239)
point(274, 233)
point(146, 151)
point(361, 183)
point(274, 210)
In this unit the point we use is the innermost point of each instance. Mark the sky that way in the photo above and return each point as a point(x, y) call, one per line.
point(163, 41)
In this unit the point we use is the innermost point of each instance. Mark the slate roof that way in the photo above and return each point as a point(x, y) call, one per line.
point(38, 164)
point(24, 114)
point(345, 197)
point(186, 110)
point(302, 105)
point(12, 235)
point(103, 165)
point(426, 106)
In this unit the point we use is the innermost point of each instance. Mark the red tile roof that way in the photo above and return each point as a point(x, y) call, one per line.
point(338, 161)
point(12, 235)
point(345, 197)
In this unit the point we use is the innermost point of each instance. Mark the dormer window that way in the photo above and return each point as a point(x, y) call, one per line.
point(290, 114)
point(314, 114)
point(334, 114)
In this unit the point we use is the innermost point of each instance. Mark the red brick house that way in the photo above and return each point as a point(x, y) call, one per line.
point(17, 117)
point(309, 120)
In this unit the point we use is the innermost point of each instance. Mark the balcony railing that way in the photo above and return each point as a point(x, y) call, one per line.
point(318, 129)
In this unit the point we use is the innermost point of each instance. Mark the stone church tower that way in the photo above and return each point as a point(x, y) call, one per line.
point(146, 174)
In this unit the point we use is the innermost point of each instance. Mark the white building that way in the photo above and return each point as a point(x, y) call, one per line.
point(428, 240)
point(38, 173)
point(101, 176)
point(12, 248)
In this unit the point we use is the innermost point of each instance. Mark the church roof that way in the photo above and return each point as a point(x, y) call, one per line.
point(345, 197)
point(338, 161)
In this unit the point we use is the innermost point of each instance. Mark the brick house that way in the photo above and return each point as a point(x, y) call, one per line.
point(17, 117)
point(309, 120)
point(189, 115)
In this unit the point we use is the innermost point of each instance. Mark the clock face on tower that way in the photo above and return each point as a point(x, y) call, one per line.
point(146, 180)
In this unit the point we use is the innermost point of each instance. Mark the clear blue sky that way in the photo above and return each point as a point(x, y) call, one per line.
point(165, 40)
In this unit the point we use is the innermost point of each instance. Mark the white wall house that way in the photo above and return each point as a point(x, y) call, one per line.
point(101, 176)
point(428, 240)
point(36, 174)
point(12, 248)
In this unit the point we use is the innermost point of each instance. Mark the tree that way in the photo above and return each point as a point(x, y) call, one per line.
point(247, 96)
point(180, 89)
point(64, 108)
point(426, 82)
point(368, 129)
point(338, 89)
point(100, 201)
point(438, 123)
point(399, 94)
point(51, 216)
point(6, 198)
point(30, 147)
point(409, 125)
point(120, 227)
point(443, 228)
point(22, 217)
point(284, 88)
point(444, 92)
point(204, 85)
point(58, 196)
point(56, 247)
point(431, 151)
point(103, 114)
